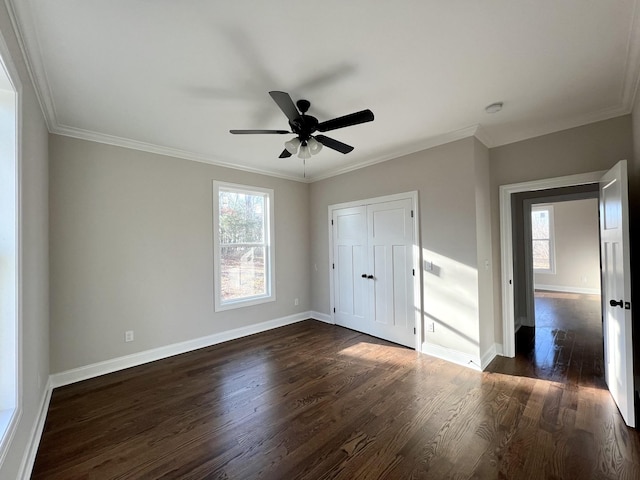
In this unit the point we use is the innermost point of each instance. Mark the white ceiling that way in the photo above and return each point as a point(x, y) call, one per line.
point(174, 76)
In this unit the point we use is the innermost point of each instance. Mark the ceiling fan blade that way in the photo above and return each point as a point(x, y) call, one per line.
point(285, 154)
point(246, 132)
point(286, 104)
point(334, 144)
point(346, 121)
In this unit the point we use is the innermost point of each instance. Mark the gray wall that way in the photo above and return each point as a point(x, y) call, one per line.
point(594, 147)
point(34, 350)
point(446, 179)
point(131, 249)
point(577, 247)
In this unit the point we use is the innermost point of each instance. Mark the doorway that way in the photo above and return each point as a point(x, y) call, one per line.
point(615, 268)
point(562, 337)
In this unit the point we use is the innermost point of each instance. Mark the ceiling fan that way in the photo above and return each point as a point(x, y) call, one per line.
point(304, 126)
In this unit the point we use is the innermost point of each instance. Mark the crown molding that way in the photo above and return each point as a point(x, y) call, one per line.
point(29, 45)
point(560, 125)
point(166, 151)
point(414, 147)
point(632, 64)
point(483, 137)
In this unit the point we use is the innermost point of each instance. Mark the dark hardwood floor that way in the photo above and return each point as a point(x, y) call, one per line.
point(566, 344)
point(314, 401)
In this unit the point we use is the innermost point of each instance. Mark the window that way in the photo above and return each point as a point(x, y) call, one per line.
point(10, 394)
point(542, 239)
point(243, 254)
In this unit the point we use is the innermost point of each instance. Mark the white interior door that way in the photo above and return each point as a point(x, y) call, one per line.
point(349, 264)
point(616, 289)
point(390, 250)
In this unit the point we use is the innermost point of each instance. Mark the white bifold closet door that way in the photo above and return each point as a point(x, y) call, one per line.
point(373, 270)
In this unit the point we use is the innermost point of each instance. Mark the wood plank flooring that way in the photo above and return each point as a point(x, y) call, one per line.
point(314, 401)
point(566, 344)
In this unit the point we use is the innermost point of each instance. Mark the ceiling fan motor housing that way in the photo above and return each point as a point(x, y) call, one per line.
point(304, 126)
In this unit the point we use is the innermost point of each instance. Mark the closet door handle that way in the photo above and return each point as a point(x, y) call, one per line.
point(364, 275)
point(613, 303)
point(370, 277)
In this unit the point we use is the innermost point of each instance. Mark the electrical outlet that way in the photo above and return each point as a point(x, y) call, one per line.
point(295, 302)
point(431, 326)
point(128, 336)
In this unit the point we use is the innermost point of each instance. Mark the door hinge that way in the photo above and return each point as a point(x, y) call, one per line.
point(333, 266)
point(414, 330)
point(411, 213)
point(414, 272)
point(332, 222)
point(334, 309)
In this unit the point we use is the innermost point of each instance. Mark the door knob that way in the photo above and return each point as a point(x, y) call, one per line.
point(370, 277)
point(613, 303)
point(364, 275)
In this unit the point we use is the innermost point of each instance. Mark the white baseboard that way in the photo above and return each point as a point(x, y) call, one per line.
point(565, 289)
point(488, 356)
point(499, 349)
point(29, 458)
point(135, 359)
point(524, 322)
point(323, 317)
point(453, 356)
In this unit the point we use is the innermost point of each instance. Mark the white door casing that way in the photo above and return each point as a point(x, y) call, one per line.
point(506, 244)
point(616, 289)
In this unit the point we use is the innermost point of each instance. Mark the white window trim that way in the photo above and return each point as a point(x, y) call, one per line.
point(552, 240)
point(9, 417)
point(270, 253)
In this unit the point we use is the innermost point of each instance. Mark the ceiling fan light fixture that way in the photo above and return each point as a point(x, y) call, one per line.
point(305, 152)
point(292, 145)
point(314, 146)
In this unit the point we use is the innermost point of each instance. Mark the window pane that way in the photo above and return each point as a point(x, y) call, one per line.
point(540, 224)
point(541, 258)
point(241, 218)
point(242, 271)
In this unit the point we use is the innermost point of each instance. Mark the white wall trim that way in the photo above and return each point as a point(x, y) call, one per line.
point(14, 245)
point(424, 144)
point(29, 458)
point(454, 356)
point(506, 244)
point(488, 356)
point(464, 359)
point(568, 289)
point(113, 365)
point(322, 317)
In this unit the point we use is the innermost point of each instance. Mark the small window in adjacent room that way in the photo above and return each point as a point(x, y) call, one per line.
point(243, 249)
point(542, 239)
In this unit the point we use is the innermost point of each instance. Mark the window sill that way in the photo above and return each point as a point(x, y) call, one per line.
point(244, 303)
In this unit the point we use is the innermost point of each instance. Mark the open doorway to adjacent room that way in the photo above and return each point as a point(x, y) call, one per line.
point(561, 336)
